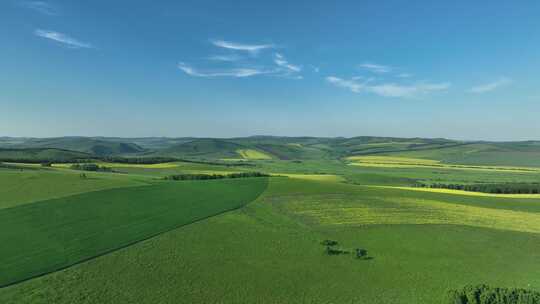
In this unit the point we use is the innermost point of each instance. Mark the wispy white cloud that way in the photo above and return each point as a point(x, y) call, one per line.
point(352, 85)
point(282, 62)
point(245, 66)
point(226, 58)
point(376, 68)
point(251, 48)
point(62, 38)
point(235, 72)
point(488, 87)
point(41, 7)
point(397, 90)
point(388, 89)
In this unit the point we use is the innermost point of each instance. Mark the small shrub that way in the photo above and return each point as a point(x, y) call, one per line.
point(331, 249)
point(329, 243)
point(361, 253)
point(335, 251)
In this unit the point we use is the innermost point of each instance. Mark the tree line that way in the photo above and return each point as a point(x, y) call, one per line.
point(484, 294)
point(199, 176)
point(90, 167)
point(505, 188)
point(147, 160)
point(8, 166)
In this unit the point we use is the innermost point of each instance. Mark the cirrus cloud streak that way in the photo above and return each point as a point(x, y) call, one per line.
point(488, 87)
point(251, 48)
point(388, 89)
point(234, 72)
point(62, 38)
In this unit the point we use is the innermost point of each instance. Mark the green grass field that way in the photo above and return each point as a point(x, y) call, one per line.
point(128, 236)
point(52, 234)
point(268, 253)
point(27, 186)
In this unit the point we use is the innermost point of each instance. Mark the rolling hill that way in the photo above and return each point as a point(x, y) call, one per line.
point(525, 153)
point(89, 145)
point(41, 155)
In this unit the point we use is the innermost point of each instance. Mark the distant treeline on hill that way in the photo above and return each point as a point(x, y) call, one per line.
point(483, 294)
point(506, 188)
point(123, 160)
point(90, 167)
point(146, 160)
point(46, 160)
point(8, 166)
point(149, 160)
point(214, 176)
point(226, 164)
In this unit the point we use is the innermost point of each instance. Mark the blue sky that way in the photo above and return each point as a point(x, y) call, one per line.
point(455, 69)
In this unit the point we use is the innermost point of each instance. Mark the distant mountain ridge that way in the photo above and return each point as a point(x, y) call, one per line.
point(280, 147)
point(89, 145)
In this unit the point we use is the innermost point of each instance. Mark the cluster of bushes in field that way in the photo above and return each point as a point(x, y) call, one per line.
point(332, 249)
point(506, 188)
point(483, 294)
point(214, 176)
point(90, 167)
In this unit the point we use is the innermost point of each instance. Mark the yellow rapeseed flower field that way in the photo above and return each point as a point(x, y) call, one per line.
point(252, 154)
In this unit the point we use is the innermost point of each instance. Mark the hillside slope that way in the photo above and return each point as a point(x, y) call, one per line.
point(83, 144)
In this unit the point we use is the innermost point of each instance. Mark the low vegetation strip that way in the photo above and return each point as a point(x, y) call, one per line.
point(50, 235)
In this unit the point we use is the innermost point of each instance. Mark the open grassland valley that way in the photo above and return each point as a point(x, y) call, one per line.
point(269, 220)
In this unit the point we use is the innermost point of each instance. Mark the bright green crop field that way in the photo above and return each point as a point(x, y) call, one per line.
point(27, 186)
point(129, 236)
point(53, 234)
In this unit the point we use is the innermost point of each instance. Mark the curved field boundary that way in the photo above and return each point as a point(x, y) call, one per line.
point(48, 236)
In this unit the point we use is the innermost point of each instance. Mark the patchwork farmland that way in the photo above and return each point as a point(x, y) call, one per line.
point(248, 227)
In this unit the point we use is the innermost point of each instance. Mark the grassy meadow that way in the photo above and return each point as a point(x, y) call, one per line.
point(128, 235)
